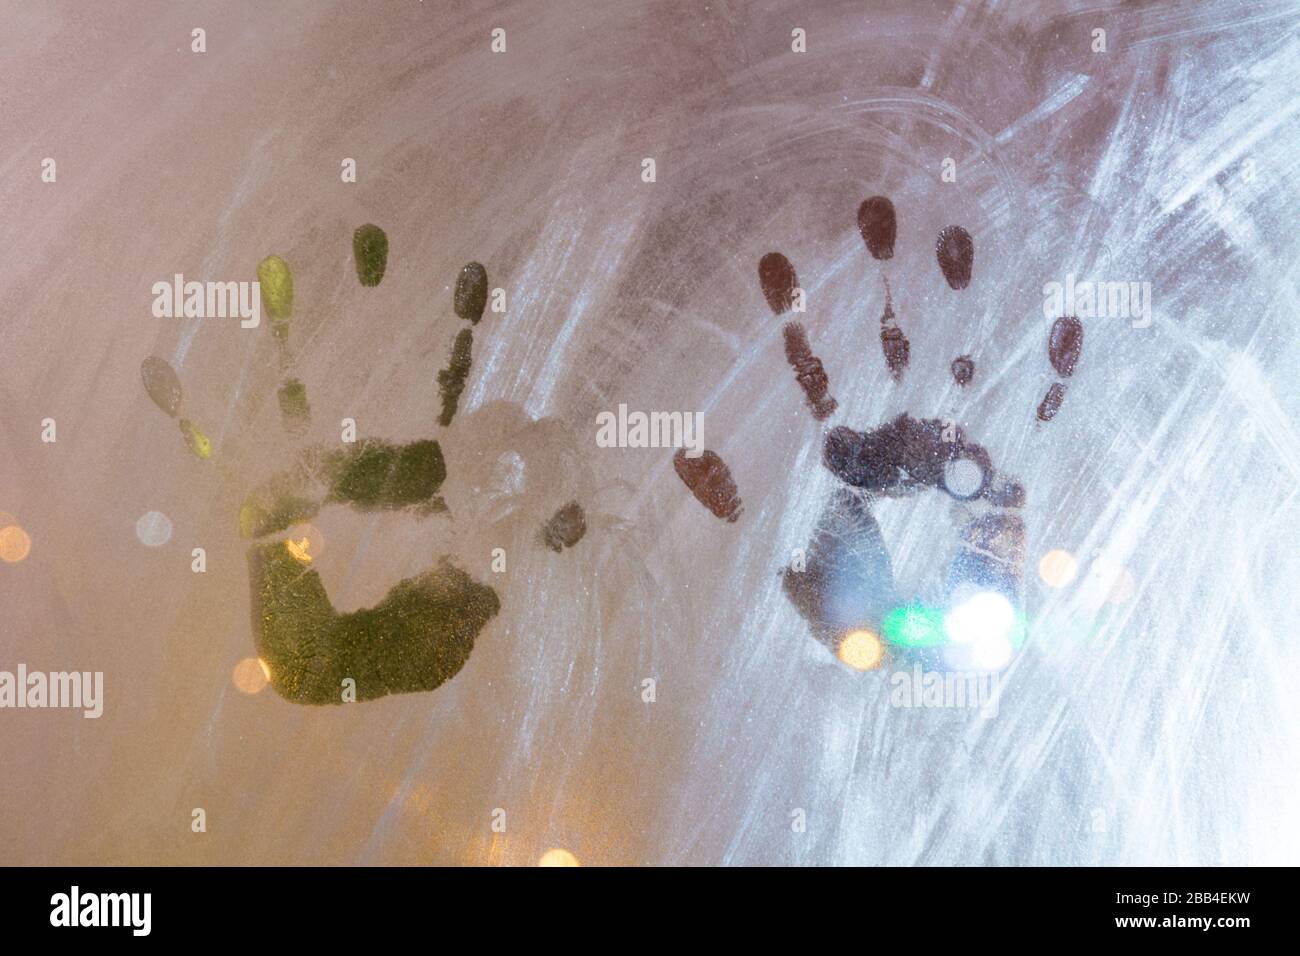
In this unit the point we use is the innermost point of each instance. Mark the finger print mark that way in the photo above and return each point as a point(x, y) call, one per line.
point(1064, 344)
point(1051, 403)
point(162, 384)
point(276, 282)
point(470, 298)
point(893, 343)
point(956, 253)
point(709, 479)
point(370, 250)
point(879, 226)
point(963, 369)
point(262, 514)
point(778, 281)
point(808, 371)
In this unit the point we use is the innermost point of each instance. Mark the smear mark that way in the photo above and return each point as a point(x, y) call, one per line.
point(295, 411)
point(893, 343)
point(565, 528)
point(198, 442)
point(451, 380)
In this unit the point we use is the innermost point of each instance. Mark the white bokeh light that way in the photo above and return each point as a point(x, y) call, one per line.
point(154, 529)
point(987, 616)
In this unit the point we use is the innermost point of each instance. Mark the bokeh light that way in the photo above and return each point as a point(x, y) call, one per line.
point(251, 675)
point(984, 631)
point(15, 544)
point(154, 529)
point(558, 857)
point(1057, 568)
point(862, 650)
point(913, 625)
point(985, 616)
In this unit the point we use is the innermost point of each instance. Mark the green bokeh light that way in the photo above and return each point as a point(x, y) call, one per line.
point(913, 625)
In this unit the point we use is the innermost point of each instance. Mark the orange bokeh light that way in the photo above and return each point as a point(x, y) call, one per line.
point(862, 650)
point(558, 857)
point(15, 544)
point(251, 675)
